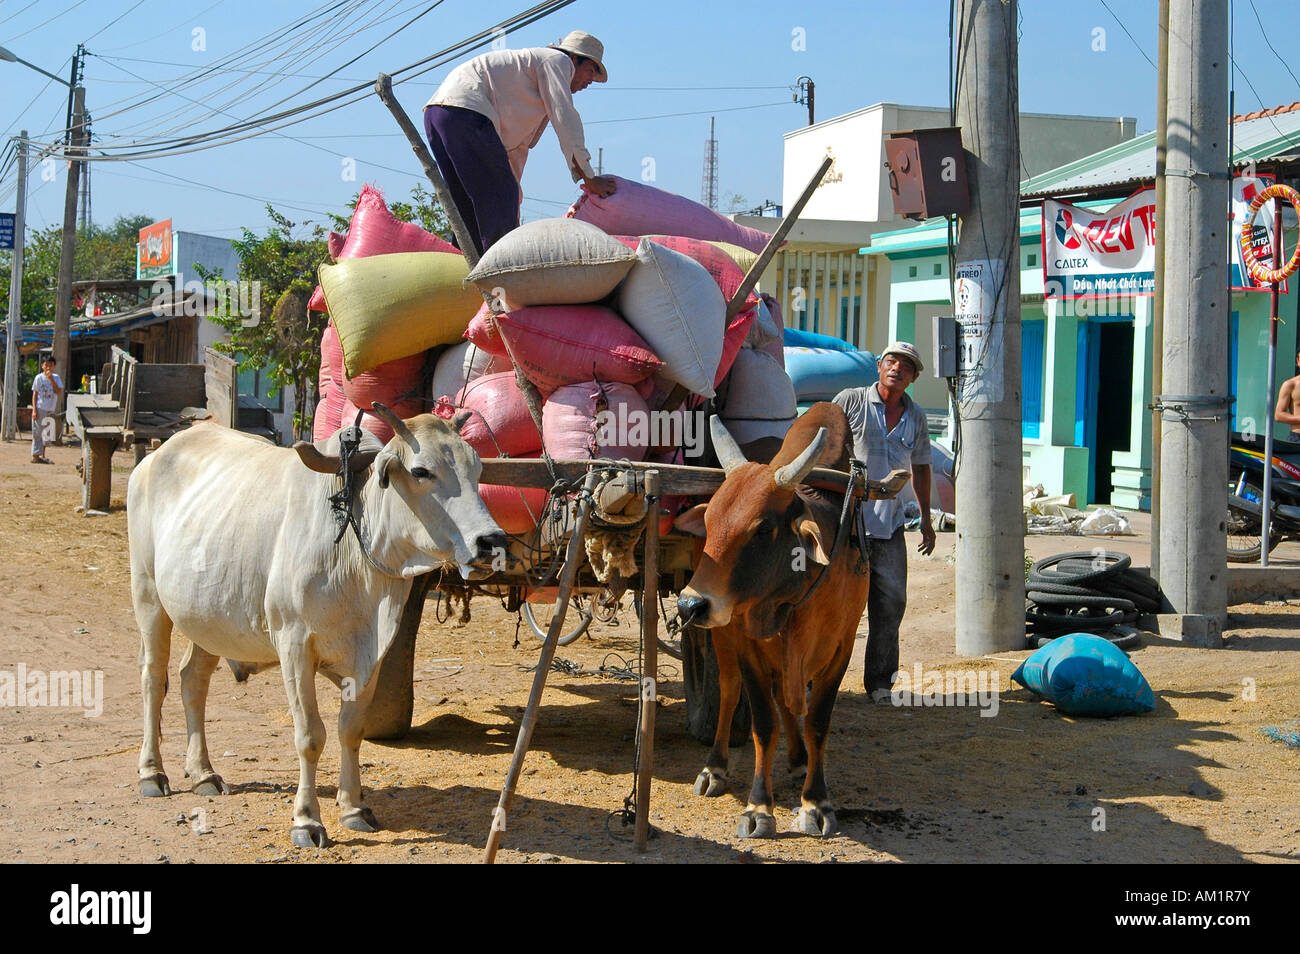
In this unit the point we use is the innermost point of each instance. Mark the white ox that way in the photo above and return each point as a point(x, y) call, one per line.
point(232, 543)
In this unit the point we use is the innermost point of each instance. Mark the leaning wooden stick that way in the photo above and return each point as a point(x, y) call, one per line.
point(573, 557)
point(384, 87)
point(650, 672)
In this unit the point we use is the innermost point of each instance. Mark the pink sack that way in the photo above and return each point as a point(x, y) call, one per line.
point(515, 509)
point(574, 427)
point(331, 355)
point(501, 423)
point(732, 341)
point(376, 425)
point(716, 262)
point(557, 345)
point(328, 416)
point(483, 334)
point(638, 209)
point(334, 245)
point(376, 231)
point(389, 384)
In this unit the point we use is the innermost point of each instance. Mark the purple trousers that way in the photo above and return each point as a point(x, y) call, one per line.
point(473, 160)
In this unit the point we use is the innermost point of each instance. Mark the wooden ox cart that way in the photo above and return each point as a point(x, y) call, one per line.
point(598, 499)
point(601, 496)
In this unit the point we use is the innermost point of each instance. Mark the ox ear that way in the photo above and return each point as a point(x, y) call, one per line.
point(810, 536)
point(691, 521)
point(382, 463)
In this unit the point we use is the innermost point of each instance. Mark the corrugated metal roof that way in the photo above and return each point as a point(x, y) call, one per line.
point(1265, 136)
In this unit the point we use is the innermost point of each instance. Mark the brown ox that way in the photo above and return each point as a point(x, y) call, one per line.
point(767, 539)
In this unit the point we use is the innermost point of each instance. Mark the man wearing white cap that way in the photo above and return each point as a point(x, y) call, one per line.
point(890, 433)
point(489, 112)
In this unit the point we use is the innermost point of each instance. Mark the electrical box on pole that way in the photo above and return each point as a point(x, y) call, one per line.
point(927, 172)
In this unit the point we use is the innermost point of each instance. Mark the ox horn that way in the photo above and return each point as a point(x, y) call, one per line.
point(396, 423)
point(730, 456)
point(322, 463)
point(793, 473)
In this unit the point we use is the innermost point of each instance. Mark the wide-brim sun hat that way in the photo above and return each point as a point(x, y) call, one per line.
point(584, 44)
point(906, 350)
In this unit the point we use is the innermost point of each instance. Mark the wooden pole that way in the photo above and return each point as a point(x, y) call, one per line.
point(769, 250)
point(650, 653)
point(384, 87)
point(572, 558)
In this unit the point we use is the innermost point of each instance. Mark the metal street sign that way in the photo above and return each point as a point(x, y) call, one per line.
point(6, 230)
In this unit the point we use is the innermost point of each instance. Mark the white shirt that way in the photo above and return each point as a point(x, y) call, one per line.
point(521, 91)
point(883, 450)
point(43, 389)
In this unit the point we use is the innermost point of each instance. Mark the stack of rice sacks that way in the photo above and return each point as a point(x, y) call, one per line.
point(603, 317)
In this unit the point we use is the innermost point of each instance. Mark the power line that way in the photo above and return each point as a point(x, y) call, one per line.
point(112, 21)
point(1129, 35)
point(696, 112)
point(45, 22)
point(1264, 34)
point(229, 134)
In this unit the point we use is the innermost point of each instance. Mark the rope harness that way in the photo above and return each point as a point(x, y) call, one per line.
point(343, 501)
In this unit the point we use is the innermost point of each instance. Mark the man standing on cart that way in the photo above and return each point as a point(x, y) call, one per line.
point(890, 432)
point(489, 112)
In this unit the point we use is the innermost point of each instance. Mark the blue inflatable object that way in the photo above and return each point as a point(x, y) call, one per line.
point(794, 338)
point(1085, 675)
point(819, 374)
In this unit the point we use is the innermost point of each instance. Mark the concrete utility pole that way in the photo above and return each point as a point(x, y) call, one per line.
point(9, 425)
point(1193, 449)
point(63, 301)
point(990, 525)
point(1158, 297)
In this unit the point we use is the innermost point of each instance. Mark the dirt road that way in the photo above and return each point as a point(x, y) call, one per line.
point(1195, 781)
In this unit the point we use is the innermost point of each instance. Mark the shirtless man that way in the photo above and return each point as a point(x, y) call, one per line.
point(1288, 403)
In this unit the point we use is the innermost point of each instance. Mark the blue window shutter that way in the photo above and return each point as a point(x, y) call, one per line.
point(1031, 377)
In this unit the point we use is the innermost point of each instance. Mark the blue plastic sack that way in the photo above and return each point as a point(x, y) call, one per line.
point(819, 374)
point(794, 338)
point(1085, 675)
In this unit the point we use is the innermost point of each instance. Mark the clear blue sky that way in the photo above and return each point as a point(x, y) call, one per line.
point(665, 57)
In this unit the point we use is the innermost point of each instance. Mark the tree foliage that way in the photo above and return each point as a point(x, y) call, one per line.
point(100, 253)
point(285, 341)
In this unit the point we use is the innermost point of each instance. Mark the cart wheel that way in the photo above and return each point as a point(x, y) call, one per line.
point(700, 679)
point(584, 619)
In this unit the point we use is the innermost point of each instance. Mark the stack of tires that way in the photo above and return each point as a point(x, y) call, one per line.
point(1086, 592)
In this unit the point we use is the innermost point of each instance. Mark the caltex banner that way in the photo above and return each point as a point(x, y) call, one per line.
point(1091, 253)
point(1244, 190)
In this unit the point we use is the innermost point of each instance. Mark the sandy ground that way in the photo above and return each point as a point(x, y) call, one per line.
point(1195, 781)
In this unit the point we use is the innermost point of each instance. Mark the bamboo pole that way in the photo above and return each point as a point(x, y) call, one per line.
point(650, 650)
point(572, 559)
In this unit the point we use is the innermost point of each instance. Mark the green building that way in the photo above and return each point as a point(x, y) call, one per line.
point(1086, 376)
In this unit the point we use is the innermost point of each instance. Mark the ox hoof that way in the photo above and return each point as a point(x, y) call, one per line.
point(756, 825)
point(363, 819)
point(309, 836)
point(710, 784)
point(211, 785)
point(818, 822)
point(155, 786)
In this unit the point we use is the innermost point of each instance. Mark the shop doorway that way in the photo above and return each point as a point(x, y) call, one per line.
point(1103, 420)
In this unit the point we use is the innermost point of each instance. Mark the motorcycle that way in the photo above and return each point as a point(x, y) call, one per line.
point(1246, 496)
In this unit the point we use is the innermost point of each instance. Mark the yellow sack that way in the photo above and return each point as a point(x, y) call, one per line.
point(387, 307)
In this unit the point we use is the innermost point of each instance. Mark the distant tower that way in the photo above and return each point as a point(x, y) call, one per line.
point(709, 189)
